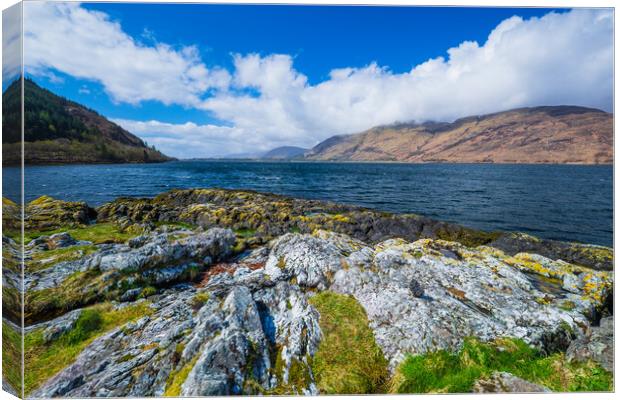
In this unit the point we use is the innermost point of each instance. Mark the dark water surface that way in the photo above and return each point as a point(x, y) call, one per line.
point(565, 202)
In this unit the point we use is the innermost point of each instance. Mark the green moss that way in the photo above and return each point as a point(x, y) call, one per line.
point(97, 233)
point(444, 372)
point(467, 237)
point(175, 224)
point(11, 303)
point(43, 360)
point(12, 356)
point(79, 289)
point(199, 300)
point(126, 358)
point(245, 232)
point(567, 305)
point(348, 359)
point(177, 378)
point(147, 292)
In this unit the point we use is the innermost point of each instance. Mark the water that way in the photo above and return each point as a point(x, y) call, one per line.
point(564, 202)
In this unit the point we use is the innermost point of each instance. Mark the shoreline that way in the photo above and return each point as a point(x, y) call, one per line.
point(220, 262)
point(250, 160)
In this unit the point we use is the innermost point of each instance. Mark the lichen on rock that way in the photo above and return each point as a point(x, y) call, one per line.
point(252, 293)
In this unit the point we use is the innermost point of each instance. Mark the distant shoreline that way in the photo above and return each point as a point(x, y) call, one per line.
point(260, 161)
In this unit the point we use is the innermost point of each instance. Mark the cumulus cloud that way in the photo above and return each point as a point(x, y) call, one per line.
point(560, 58)
point(89, 45)
point(557, 59)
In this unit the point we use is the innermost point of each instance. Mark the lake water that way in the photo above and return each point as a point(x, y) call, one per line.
point(564, 202)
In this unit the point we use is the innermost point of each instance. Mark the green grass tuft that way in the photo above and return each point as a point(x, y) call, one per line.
point(445, 372)
point(11, 356)
point(44, 360)
point(177, 378)
point(348, 359)
point(44, 259)
point(199, 300)
point(106, 232)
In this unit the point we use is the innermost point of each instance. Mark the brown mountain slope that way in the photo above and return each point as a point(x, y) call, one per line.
point(562, 134)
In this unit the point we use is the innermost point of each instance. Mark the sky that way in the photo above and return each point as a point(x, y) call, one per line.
point(213, 80)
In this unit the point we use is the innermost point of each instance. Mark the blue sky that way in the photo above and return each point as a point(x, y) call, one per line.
point(208, 80)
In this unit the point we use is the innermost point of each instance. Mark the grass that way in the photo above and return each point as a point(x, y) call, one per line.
point(11, 356)
point(44, 360)
point(445, 372)
point(348, 359)
point(177, 378)
point(105, 232)
point(177, 225)
point(45, 259)
point(77, 290)
point(199, 300)
point(245, 232)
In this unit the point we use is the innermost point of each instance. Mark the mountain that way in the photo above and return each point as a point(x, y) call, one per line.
point(59, 131)
point(558, 134)
point(284, 153)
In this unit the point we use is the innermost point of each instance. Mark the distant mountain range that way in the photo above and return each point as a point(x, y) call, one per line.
point(284, 153)
point(558, 134)
point(60, 131)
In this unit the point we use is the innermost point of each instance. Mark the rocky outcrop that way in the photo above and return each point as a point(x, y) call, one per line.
point(255, 324)
point(46, 213)
point(220, 319)
point(267, 216)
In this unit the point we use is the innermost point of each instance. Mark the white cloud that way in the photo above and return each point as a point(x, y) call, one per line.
point(11, 43)
point(557, 59)
point(190, 140)
point(87, 44)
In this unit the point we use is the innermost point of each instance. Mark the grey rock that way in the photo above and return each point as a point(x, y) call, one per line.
point(131, 294)
point(597, 345)
point(416, 289)
point(158, 251)
point(504, 382)
point(417, 297)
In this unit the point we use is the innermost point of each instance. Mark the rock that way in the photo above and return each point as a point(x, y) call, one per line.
point(480, 294)
point(217, 343)
point(55, 241)
point(131, 294)
point(310, 260)
point(215, 243)
point(597, 345)
point(247, 326)
point(273, 215)
point(592, 256)
point(55, 328)
point(416, 289)
point(157, 252)
point(504, 382)
point(46, 213)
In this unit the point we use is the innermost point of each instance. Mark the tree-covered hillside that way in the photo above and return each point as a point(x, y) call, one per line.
point(57, 130)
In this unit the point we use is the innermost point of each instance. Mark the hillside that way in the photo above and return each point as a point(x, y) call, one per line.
point(58, 130)
point(562, 134)
point(284, 153)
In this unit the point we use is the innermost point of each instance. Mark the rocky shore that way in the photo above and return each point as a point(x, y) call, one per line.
point(214, 292)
